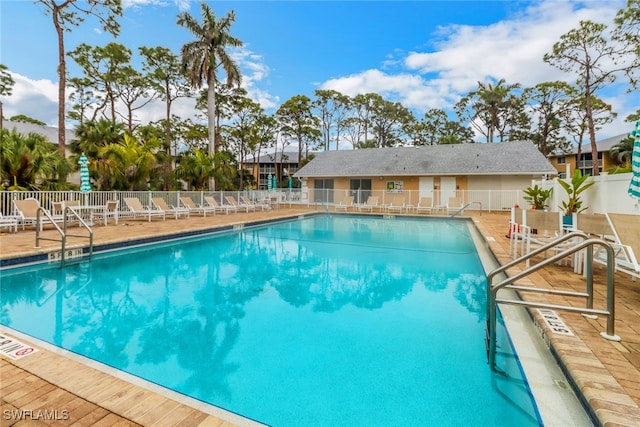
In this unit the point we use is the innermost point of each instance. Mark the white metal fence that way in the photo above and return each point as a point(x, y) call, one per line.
point(486, 200)
point(608, 194)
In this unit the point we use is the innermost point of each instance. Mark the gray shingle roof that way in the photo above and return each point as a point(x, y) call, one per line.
point(49, 132)
point(511, 158)
point(291, 156)
point(603, 145)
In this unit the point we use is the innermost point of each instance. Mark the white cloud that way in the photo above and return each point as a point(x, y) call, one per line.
point(511, 49)
point(182, 5)
point(464, 55)
point(254, 72)
point(412, 90)
point(460, 57)
point(37, 99)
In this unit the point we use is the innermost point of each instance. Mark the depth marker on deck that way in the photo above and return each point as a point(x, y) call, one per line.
point(554, 322)
point(14, 349)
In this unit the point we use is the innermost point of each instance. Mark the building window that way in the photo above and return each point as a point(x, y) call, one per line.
point(323, 190)
point(395, 186)
point(562, 160)
point(586, 163)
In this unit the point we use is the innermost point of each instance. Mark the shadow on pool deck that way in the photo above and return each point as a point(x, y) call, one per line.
point(607, 373)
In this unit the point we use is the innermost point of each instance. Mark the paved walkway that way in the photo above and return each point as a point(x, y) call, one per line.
point(607, 373)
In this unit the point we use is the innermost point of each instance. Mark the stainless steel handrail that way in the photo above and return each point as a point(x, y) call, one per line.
point(63, 232)
point(464, 207)
point(586, 243)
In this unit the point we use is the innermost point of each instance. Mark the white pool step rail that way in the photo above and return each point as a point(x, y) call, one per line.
point(67, 213)
point(583, 243)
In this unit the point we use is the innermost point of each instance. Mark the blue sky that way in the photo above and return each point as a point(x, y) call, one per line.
point(425, 54)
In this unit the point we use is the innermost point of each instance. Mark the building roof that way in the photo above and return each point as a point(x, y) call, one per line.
point(511, 158)
point(290, 156)
point(49, 132)
point(603, 146)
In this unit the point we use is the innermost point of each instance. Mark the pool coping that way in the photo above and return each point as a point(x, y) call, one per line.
point(44, 255)
point(602, 396)
point(604, 399)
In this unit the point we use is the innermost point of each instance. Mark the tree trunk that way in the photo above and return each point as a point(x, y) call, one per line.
point(211, 122)
point(592, 130)
point(167, 135)
point(62, 83)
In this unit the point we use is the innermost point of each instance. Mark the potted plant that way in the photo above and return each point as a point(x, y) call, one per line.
point(537, 197)
point(574, 188)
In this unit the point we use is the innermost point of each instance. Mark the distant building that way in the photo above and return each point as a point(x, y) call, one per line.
point(280, 164)
point(49, 132)
point(561, 161)
point(437, 171)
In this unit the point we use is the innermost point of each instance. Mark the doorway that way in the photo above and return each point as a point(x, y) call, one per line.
point(323, 190)
point(360, 190)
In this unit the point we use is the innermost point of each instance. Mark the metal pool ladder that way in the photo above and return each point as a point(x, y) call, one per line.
point(459, 211)
point(63, 232)
point(584, 242)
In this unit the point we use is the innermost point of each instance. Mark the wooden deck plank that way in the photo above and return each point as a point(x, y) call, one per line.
point(157, 412)
point(92, 418)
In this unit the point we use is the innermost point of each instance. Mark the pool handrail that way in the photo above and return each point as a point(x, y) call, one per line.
point(586, 243)
point(464, 207)
point(68, 211)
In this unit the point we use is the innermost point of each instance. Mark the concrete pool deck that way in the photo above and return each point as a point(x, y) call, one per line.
point(606, 372)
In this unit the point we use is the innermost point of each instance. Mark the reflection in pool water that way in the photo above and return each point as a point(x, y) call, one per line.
point(339, 320)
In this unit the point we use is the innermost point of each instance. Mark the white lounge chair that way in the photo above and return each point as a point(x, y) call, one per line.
point(58, 208)
point(369, 205)
point(595, 226)
point(211, 201)
point(344, 204)
point(162, 205)
point(111, 210)
point(540, 228)
point(516, 227)
point(233, 202)
point(191, 205)
point(136, 209)
point(626, 233)
point(396, 204)
point(27, 211)
point(425, 205)
point(9, 221)
point(263, 206)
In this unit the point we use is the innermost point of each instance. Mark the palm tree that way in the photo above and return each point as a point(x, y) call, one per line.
point(92, 135)
point(492, 102)
point(196, 168)
point(131, 161)
point(202, 57)
point(31, 162)
point(490, 108)
point(66, 14)
point(623, 151)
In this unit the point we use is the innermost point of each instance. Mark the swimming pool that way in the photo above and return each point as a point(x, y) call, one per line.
point(324, 321)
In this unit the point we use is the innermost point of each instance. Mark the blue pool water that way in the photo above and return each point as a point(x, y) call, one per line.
point(323, 321)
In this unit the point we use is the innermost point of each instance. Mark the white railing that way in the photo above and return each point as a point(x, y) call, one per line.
point(486, 200)
point(608, 194)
